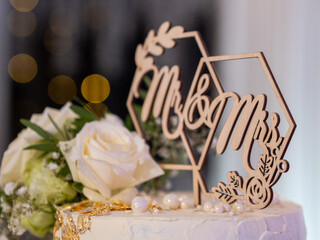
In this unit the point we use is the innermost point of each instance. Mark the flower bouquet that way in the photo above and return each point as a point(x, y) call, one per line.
point(65, 156)
point(70, 155)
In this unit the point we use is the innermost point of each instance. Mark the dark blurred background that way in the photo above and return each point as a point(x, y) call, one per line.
point(63, 42)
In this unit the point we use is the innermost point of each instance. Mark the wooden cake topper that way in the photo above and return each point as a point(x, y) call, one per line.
point(246, 121)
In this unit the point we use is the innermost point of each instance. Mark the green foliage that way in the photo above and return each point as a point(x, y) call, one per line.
point(63, 171)
point(84, 116)
point(47, 175)
point(45, 147)
point(83, 113)
point(47, 144)
point(77, 187)
point(40, 131)
point(62, 134)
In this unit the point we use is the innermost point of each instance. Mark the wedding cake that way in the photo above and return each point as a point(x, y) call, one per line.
point(281, 220)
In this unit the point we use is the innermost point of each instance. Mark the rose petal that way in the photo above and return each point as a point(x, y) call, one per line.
point(125, 195)
point(93, 195)
point(90, 179)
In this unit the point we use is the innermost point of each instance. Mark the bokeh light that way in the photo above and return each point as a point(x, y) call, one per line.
point(62, 89)
point(22, 68)
point(24, 5)
point(100, 109)
point(95, 88)
point(21, 24)
point(55, 44)
point(95, 14)
point(63, 21)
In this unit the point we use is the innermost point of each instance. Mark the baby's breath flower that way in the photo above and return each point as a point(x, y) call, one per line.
point(5, 207)
point(68, 177)
point(15, 226)
point(200, 148)
point(52, 166)
point(164, 152)
point(55, 155)
point(27, 209)
point(174, 120)
point(174, 173)
point(158, 121)
point(9, 188)
point(168, 185)
point(21, 190)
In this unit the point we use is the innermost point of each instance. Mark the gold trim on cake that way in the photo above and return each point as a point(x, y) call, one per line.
point(86, 209)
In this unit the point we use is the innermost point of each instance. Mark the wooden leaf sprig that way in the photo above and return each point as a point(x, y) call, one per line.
point(257, 186)
point(155, 45)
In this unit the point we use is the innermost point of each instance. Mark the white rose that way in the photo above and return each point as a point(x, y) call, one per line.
point(15, 158)
point(9, 188)
point(105, 156)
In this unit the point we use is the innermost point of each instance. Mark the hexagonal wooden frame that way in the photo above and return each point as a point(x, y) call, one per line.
point(164, 96)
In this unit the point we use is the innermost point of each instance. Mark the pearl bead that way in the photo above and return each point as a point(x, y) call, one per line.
point(218, 208)
point(139, 205)
point(186, 203)
point(148, 199)
point(156, 210)
point(227, 207)
point(239, 207)
point(171, 201)
point(207, 206)
point(198, 207)
point(183, 197)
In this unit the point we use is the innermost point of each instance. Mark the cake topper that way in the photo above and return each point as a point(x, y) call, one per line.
point(246, 122)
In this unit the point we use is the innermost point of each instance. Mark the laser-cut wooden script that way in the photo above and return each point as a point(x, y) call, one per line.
point(246, 121)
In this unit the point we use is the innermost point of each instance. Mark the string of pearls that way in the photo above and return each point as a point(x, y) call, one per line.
point(172, 201)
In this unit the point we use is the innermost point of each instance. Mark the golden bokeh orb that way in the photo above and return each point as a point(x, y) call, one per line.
point(22, 68)
point(24, 5)
point(57, 45)
point(62, 89)
point(63, 21)
point(99, 109)
point(95, 88)
point(21, 24)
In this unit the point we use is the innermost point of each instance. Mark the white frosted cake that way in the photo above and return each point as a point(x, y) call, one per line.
point(281, 220)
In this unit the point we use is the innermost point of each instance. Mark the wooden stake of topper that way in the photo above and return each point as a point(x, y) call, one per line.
point(246, 120)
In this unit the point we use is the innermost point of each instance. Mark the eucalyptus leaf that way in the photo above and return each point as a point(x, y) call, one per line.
point(77, 186)
point(66, 132)
point(143, 94)
point(129, 123)
point(45, 147)
point(64, 171)
point(147, 81)
point(83, 113)
point(57, 128)
point(40, 131)
point(137, 108)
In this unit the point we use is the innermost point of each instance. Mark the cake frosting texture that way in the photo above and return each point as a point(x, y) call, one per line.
point(283, 220)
